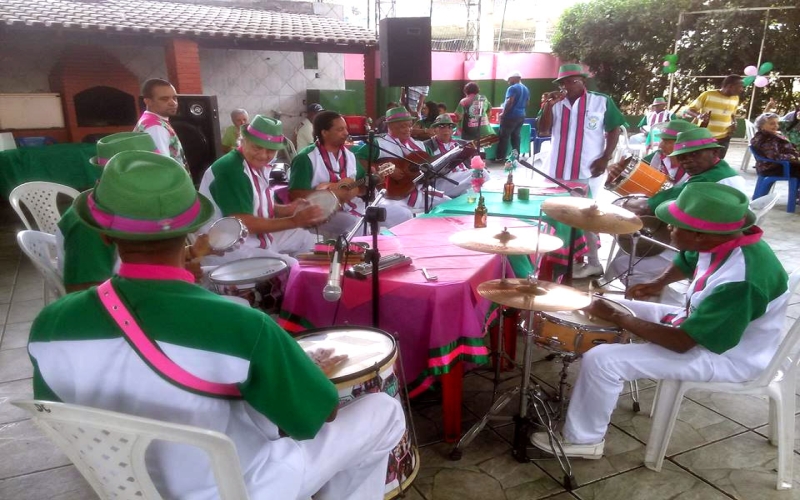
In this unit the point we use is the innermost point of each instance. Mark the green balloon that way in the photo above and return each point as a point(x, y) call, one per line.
point(673, 58)
point(765, 68)
point(748, 80)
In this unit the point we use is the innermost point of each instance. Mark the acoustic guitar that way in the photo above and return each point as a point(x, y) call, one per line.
point(348, 183)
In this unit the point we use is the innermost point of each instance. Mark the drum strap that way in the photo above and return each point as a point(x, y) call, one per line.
point(149, 351)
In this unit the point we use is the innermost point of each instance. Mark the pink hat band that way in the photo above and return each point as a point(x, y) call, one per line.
point(125, 224)
point(704, 225)
point(400, 115)
point(696, 142)
point(278, 139)
point(669, 131)
point(569, 73)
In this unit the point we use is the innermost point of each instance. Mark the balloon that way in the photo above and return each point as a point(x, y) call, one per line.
point(673, 58)
point(762, 81)
point(748, 80)
point(751, 71)
point(765, 68)
point(667, 64)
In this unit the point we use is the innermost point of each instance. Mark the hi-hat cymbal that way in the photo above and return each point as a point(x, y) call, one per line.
point(534, 295)
point(514, 241)
point(589, 215)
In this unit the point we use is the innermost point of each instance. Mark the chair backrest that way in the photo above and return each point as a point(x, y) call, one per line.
point(762, 206)
point(787, 354)
point(40, 198)
point(108, 448)
point(42, 249)
point(764, 159)
point(749, 130)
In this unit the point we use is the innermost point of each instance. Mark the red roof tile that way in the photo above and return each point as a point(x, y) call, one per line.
point(193, 20)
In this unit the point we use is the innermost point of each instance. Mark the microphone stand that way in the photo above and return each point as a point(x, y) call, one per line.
point(573, 232)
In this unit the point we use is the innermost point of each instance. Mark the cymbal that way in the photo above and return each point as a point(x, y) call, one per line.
point(520, 293)
point(514, 241)
point(590, 215)
point(652, 227)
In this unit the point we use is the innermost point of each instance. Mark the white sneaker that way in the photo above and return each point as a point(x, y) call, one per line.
point(586, 271)
point(588, 451)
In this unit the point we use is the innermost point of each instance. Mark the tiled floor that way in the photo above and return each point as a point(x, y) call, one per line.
point(718, 450)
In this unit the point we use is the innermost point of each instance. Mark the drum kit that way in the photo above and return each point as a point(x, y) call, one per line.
point(555, 319)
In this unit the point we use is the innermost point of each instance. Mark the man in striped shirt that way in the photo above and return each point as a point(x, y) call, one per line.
point(718, 108)
point(728, 330)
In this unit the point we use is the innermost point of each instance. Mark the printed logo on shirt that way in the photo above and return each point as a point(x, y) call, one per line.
point(592, 122)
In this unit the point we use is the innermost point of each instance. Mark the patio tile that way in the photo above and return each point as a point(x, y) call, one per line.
point(28, 291)
point(696, 424)
point(30, 449)
point(485, 446)
point(520, 480)
point(4, 312)
point(25, 310)
point(5, 292)
point(672, 483)
point(62, 483)
point(15, 365)
point(448, 484)
point(15, 335)
point(750, 411)
point(764, 431)
point(10, 391)
point(743, 466)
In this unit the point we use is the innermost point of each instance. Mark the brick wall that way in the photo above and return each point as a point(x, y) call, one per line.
point(183, 66)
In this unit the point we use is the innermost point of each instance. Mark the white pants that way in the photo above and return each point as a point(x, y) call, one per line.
point(606, 368)
point(348, 458)
point(595, 185)
point(419, 203)
point(343, 222)
point(463, 179)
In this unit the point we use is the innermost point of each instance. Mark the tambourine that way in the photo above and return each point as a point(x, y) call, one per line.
point(325, 200)
point(227, 233)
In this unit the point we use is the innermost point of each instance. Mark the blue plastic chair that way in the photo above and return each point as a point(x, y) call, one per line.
point(537, 141)
point(765, 182)
point(34, 142)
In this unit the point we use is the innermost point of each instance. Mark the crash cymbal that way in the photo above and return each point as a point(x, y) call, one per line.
point(514, 241)
point(654, 228)
point(534, 295)
point(590, 215)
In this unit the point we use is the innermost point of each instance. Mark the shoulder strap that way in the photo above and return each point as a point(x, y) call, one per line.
point(148, 350)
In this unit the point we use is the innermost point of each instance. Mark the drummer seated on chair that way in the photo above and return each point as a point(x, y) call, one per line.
point(328, 164)
point(238, 185)
point(441, 143)
point(728, 331)
point(252, 381)
point(398, 143)
point(694, 152)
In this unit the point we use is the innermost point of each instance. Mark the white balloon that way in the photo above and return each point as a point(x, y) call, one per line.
point(751, 71)
point(761, 81)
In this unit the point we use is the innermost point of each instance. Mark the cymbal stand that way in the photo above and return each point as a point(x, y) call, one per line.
point(531, 395)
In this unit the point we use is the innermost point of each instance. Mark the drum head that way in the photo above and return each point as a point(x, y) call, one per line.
point(248, 271)
point(581, 318)
point(652, 227)
point(325, 200)
point(224, 233)
point(367, 349)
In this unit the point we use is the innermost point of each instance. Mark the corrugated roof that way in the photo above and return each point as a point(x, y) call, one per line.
point(181, 19)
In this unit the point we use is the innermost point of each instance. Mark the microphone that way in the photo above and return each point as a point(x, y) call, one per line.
point(333, 289)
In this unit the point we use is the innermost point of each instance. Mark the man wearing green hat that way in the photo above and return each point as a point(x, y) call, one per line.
point(657, 113)
point(584, 127)
point(728, 329)
point(150, 343)
point(441, 143)
point(238, 185)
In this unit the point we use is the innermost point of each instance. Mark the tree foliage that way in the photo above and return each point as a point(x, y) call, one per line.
point(623, 42)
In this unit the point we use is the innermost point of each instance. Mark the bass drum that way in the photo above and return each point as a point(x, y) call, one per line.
point(652, 227)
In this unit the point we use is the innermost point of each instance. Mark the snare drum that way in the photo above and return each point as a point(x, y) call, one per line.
point(577, 331)
point(257, 280)
point(227, 233)
point(369, 368)
point(639, 177)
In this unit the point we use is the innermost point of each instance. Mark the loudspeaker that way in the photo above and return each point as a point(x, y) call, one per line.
point(197, 126)
point(405, 48)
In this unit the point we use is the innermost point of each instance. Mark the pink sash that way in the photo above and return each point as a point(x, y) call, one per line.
point(152, 355)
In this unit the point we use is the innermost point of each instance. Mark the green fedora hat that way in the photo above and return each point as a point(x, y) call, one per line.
point(659, 100)
point(264, 132)
point(694, 140)
point(708, 207)
point(674, 127)
point(143, 196)
point(112, 144)
point(398, 114)
point(568, 70)
point(444, 119)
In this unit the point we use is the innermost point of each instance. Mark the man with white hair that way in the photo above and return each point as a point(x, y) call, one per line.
point(233, 134)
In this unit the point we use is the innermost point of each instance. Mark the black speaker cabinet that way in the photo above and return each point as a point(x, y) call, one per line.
point(405, 47)
point(197, 126)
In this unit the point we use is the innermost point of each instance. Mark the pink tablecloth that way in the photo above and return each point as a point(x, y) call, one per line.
point(437, 324)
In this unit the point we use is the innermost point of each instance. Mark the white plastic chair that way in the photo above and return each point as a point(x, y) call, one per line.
point(108, 448)
point(749, 131)
point(762, 206)
point(39, 198)
point(42, 249)
point(777, 381)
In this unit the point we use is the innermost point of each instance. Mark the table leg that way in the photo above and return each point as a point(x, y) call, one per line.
point(452, 382)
